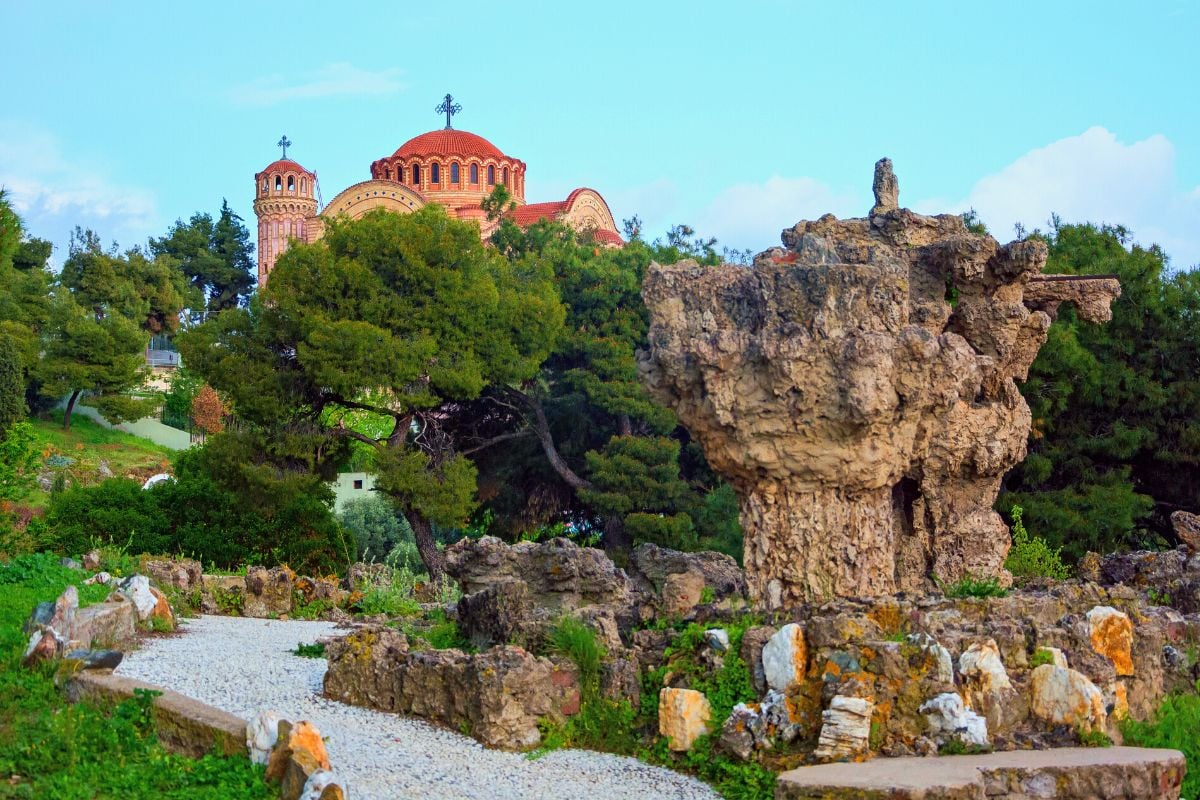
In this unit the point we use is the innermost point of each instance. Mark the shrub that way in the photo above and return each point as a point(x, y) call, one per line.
point(1030, 556)
point(377, 528)
point(1040, 656)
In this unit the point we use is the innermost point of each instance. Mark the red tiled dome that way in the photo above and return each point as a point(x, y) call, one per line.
point(448, 142)
point(285, 165)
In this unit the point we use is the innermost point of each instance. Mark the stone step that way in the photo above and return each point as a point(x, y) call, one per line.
point(1072, 773)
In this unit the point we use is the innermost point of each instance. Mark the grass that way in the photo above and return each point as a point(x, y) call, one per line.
point(313, 650)
point(52, 749)
point(1174, 725)
point(86, 444)
point(1041, 656)
point(975, 587)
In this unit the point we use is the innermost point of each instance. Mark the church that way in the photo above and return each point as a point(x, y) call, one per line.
point(450, 167)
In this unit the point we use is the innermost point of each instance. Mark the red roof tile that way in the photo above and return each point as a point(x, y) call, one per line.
point(448, 142)
point(285, 165)
point(532, 212)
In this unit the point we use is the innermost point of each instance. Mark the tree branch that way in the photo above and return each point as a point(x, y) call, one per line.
point(497, 440)
point(541, 429)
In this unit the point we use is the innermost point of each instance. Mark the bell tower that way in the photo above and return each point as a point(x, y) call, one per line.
point(284, 201)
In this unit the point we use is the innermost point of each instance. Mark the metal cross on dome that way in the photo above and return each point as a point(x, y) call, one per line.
point(449, 108)
point(285, 143)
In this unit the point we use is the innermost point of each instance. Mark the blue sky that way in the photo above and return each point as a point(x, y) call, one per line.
point(737, 118)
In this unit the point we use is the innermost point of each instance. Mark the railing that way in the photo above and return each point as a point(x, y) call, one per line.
point(162, 358)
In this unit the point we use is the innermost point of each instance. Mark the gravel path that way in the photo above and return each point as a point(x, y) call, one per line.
point(245, 665)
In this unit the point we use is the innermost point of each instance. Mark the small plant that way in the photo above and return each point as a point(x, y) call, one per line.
point(160, 625)
point(1158, 597)
point(572, 639)
point(1094, 739)
point(975, 587)
point(1030, 556)
point(957, 747)
point(1041, 656)
point(229, 601)
point(707, 595)
point(312, 650)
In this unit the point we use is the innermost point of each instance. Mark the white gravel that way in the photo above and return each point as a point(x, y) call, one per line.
point(245, 665)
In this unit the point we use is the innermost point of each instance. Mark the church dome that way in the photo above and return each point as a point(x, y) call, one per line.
point(285, 165)
point(448, 142)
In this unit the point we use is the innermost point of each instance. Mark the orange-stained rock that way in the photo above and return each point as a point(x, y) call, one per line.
point(162, 608)
point(683, 717)
point(1066, 697)
point(785, 658)
point(1112, 636)
point(298, 746)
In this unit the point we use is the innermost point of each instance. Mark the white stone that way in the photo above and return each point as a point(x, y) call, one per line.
point(684, 715)
point(982, 664)
point(785, 658)
point(945, 662)
point(717, 639)
point(1065, 697)
point(317, 783)
point(845, 728)
point(100, 577)
point(948, 718)
point(137, 589)
point(261, 735)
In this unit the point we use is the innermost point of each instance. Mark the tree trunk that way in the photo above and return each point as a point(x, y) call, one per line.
point(435, 562)
point(541, 429)
point(625, 425)
point(70, 408)
point(617, 543)
point(808, 546)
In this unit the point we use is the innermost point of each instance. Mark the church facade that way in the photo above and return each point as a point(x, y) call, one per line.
point(453, 168)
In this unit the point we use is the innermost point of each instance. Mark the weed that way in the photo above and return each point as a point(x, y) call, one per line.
point(229, 601)
point(1039, 657)
point(314, 650)
point(1158, 597)
point(707, 595)
point(975, 587)
point(1094, 739)
point(1174, 726)
point(957, 747)
point(1030, 556)
point(571, 639)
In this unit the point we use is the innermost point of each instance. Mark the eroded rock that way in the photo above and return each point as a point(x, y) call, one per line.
point(845, 729)
point(683, 717)
point(785, 658)
point(950, 720)
point(1112, 637)
point(1066, 697)
point(268, 592)
point(857, 388)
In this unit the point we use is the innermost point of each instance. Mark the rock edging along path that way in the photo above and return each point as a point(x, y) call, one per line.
point(246, 665)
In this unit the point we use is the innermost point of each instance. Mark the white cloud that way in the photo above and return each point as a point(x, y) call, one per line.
point(331, 80)
point(752, 215)
point(53, 193)
point(1092, 177)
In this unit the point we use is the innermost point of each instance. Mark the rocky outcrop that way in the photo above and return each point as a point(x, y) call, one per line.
point(268, 592)
point(683, 717)
point(857, 388)
point(500, 695)
point(845, 729)
point(1187, 529)
point(183, 573)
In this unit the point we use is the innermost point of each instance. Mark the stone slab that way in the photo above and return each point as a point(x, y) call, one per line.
point(1075, 773)
point(185, 726)
point(103, 625)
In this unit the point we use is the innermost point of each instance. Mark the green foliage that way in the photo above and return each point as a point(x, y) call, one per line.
point(52, 749)
point(1030, 556)
point(725, 687)
point(571, 639)
point(313, 650)
point(217, 258)
point(12, 384)
point(177, 402)
point(1173, 726)
point(376, 527)
point(1094, 738)
point(975, 587)
point(18, 461)
point(1040, 656)
point(1116, 407)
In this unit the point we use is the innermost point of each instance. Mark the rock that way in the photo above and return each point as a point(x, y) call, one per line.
point(717, 639)
point(683, 717)
point(1059, 658)
point(603, 622)
point(753, 641)
point(500, 694)
point(136, 588)
point(944, 673)
point(785, 658)
point(885, 187)
point(91, 560)
point(183, 573)
point(845, 729)
point(742, 731)
point(109, 624)
point(44, 645)
point(40, 616)
point(103, 471)
point(620, 677)
point(498, 614)
point(162, 609)
point(681, 592)
point(102, 578)
point(96, 659)
point(315, 590)
point(949, 720)
point(299, 752)
point(1112, 637)
point(864, 421)
point(1065, 697)
point(560, 574)
point(1187, 528)
point(721, 573)
point(323, 785)
point(49, 627)
point(361, 576)
point(70, 563)
point(268, 592)
point(261, 735)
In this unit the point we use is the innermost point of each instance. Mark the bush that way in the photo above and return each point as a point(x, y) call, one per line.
point(1174, 726)
point(377, 528)
point(1030, 556)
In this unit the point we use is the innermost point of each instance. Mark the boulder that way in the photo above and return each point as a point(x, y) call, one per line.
point(298, 754)
point(136, 588)
point(717, 639)
point(108, 624)
point(314, 590)
point(323, 785)
point(502, 613)
point(361, 667)
point(96, 659)
point(91, 560)
point(268, 592)
point(49, 627)
point(1187, 528)
point(754, 639)
point(162, 609)
point(720, 572)
point(261, 734)
point(949, 720)
point(785, 658)
point(683, 717)
point(845, 729)
point(681, 592)
point(183, 573)
point(1065, 697)
point(987, 686)
point(1112, 637)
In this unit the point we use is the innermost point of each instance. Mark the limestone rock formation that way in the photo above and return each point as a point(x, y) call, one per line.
point(857, 388)
point(683, 717)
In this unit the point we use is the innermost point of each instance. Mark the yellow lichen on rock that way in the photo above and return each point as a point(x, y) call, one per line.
point(1112, 637)
point(683, 717)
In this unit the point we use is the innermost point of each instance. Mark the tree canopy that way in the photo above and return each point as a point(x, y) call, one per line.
point(217, 257)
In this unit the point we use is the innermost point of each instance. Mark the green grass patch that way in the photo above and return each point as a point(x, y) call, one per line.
point(52, 749)
point(975, 587)
point(1174, 725)
point(312, 650)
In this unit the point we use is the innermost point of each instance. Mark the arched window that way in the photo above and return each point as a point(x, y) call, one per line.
point(435, 173)
point(474, 173)
point(506, 176)
point(491, 175)
point(291, 184)
point(278, 184)
point(454, 176)
point(416, 174)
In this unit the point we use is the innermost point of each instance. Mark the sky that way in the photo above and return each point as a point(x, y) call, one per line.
point(738, 119)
